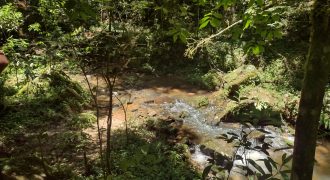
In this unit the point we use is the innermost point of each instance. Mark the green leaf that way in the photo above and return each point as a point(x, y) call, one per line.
point(215, 22)
point(263, 33)
point(269, 36)
point(206, 171)
point(267, 164)
point(260, 2)
point(203, 25)
point(288, 159)
point(204, 19)
point(256, 50)
point(273, 163)
point(217, 15)
point(286, 171)
point(284, 157)
point(183, 38)
point(208, 14)
point(284, 176)
point(172, 31)
point(254, 164)
point(233, 134)
point(247, 24)
point(278, 34)
point(251, 3)
point(165, 11)
point(175, 37)
point(266, 176)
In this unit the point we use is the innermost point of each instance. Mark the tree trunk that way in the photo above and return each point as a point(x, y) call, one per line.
point(316, 78)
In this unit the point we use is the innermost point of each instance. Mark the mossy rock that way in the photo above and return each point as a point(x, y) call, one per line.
point(238, 77)
point(218, 146)
point(255, 104)
point(273, 98)
point(253, 112)
point(218, 149)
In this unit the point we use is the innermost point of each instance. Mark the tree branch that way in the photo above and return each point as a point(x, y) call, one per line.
point(192, 50)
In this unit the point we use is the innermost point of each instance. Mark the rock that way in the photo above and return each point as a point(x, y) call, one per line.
point(184, 114)
point(249, 111)
point(239, 76)
point(163, 99)
point(219, 157)
point(152, 112)
point(257, 136)
point(270, 97)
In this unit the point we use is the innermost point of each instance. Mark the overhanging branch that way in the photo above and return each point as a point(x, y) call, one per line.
point(192, 49)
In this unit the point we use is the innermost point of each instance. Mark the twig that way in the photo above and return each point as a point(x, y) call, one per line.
point(192, 50)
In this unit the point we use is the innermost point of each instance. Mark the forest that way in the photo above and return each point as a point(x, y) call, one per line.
point(164, 89)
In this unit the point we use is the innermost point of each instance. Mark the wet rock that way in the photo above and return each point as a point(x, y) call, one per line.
point(268, 141)
point(187, 135)
point(258, 136)
point(207, 151)
point(218, 146)
point(219, 157)
point(163, 99)
point(184, 114)
point(192, 149)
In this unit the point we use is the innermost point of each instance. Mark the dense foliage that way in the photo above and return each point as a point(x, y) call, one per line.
point(201, 41)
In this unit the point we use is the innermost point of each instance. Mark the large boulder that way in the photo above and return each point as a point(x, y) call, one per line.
point(256, 105)
point(242, 75)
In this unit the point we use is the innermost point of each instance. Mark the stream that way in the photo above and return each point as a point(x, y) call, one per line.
point(155, 92)
point(196, 120)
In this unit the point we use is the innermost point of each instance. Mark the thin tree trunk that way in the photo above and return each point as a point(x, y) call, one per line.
point(124, 108)
point(110, 85)
point(316, 78)
point(95, 99)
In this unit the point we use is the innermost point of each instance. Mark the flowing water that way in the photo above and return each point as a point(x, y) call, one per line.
point(277, 137)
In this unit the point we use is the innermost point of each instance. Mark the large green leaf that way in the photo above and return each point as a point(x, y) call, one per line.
point(204, 24)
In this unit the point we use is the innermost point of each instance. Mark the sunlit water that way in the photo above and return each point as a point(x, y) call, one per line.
point(197, 121)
